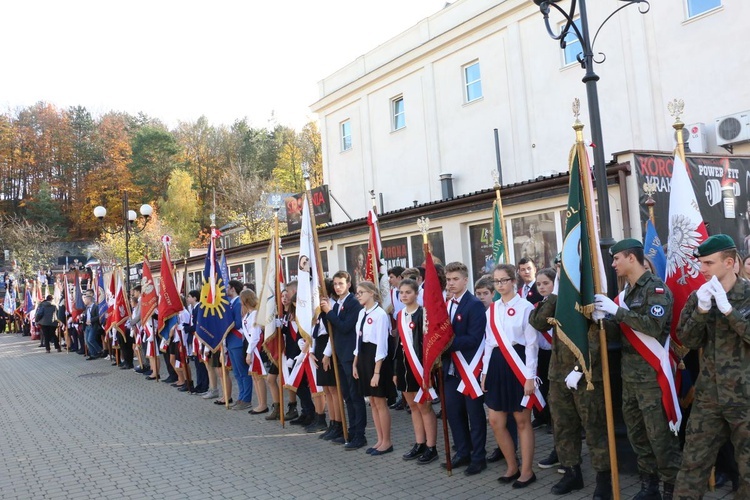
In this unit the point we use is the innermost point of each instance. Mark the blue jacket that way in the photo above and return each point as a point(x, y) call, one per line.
point(469, 323)
point(235, 313)
point(344, 328)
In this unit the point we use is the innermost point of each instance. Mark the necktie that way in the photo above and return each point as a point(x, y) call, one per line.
point(525, 290)
point(454, 306)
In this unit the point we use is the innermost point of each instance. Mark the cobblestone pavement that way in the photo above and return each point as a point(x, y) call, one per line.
point(71, 428)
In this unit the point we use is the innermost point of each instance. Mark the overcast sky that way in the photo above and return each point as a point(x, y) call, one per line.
point(178, 60)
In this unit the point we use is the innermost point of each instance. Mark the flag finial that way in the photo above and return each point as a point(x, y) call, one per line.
point(495, 178)
point(423, 223)
point(676, 107)
point(577, 125)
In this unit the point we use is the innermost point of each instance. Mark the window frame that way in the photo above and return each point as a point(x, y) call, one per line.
point(690, 16)
point(343, 137)
point(395, 115)
point(565, 62)
point(468, 84)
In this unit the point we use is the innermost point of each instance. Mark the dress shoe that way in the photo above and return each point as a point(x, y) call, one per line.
point(475, 468)
point(338, 439)
point(376, 453)
point(430, 455)
point(523, 484)
point(258, 412)
point(550, 461)
point(495, 456)
point(369, 450)
point(416, 451)
point(355, 444)
point(398, 405)
point(222, 402)
point(175, 384)
point(171, 379)
point(147, 372)
point(152, 378)
point(139, 370)
point(509, 479)
point(457, 462)
point(89, 358)
point(183, 388)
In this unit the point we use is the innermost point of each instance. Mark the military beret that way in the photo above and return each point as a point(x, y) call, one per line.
point(715, 243)
point(625, 244)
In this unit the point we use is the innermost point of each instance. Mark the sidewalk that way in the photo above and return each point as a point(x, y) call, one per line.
point(71, 428)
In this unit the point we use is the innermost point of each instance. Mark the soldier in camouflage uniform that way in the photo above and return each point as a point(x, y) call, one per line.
point(576, 409)
point(716, 319)
point(649, 309)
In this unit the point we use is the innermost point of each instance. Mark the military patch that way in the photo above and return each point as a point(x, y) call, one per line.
point(659, 290)
point(637, 302)
point(657, 311)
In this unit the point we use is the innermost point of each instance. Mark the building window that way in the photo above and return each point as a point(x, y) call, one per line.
point(697, 7)
point(399, 118)
point(346, 135)
point(473, 82)
point(572, 44)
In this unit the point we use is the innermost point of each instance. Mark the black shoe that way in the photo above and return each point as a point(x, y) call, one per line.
point(139, 370)
point(475, 468)
point(337, 432)
point(318, 424)
point(416, 451)
point(355, 444)
point(89, 358)
point(457, 462)
point(126, 366)
point(495, 456)
point(430, 455)
point(331, 424)
point(571, 481)
point(603, 489)
point(303, 420)
point(523, 484)
point(398, 405)
point(147, 372)
point(103, 354)
point(182, 388)
point(509, 479)
point(338, 439)
point(550, 461)
point(253, 412)
point(649, 488)
point(171, 379)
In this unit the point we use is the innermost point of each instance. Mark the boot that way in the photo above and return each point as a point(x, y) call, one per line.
point(318, 424)
point(571, 481)
point(336, 433)
point(328, 431)
point(668, 491)
point(603, 489)
point(649, 488)
point(275, 412)
point(291, 413)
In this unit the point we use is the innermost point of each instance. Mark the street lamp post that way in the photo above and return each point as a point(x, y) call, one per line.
point(129, 218)
point(586, 59)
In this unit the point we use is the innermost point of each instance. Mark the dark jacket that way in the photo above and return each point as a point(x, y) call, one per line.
point(469, 323)
point(344, 328)
point(45, 314)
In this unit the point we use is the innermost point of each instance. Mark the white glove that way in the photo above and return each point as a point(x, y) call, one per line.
point(598, 315)
point(301, 344)
point(704, 295)
point(278, 323)
point(722, 302)
point(290, 363)
point(604, 303)
point(572, 379)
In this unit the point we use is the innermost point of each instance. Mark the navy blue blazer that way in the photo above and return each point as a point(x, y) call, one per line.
point(235, 312)
point(344, 328)
point(469, 323)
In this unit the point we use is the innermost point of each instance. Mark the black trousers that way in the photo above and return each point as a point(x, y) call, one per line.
point(355, 402)
point(49, 335)
point(127, 349)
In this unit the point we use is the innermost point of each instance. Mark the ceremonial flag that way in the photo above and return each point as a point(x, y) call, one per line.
point(110, 297)
point(266, 317)
point(654, 251)
point(498, 245)
point(170, 303)
point(79, 306)
point(40, 292)
point(575, 300)
point(308, 285)
point(214, 322)
point(29, 301)
point(122, 306)
point(9, 303)
point(148, 301)
point(101, 295)
point(375, 268)
point(686, 232)
point(438, 331)
point(223, 268)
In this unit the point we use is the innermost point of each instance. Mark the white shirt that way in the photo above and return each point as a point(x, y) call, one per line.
point(340, 302)
point(375, 331)
point(183, 317)
point(396, 302)
point(453, 306)
point(250, 331)
point(513, 322)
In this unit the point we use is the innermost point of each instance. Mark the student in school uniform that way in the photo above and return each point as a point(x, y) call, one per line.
point(326, 378)
point(509, 374)
point(254, 337)
point(371, 366)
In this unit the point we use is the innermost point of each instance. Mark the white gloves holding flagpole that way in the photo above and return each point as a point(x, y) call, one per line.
point(605, 304)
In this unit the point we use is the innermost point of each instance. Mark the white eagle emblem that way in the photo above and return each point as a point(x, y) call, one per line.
point(146, 286)
point(683, 239)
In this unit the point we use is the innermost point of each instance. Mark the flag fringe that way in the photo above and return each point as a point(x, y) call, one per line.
point(576, 352)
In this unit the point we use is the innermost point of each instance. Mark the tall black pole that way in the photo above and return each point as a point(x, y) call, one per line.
point(600, 167)
point(497, 159)
point(125, 211)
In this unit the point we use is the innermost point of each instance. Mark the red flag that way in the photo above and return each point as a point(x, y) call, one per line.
point(686, 231)
point(122, 308)
point(438, 332)
point(111, 312)
point(170, 303)
point(374, 266)
point(148, 300)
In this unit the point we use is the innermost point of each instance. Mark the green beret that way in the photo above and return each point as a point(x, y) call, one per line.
point(715, 243)
point(625, 244)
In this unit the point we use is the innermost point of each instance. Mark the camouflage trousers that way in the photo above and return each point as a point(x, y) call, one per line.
point(574, 411)
point(657, 447)
point(709, 427)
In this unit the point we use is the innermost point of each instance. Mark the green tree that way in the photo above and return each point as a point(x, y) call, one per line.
point(45, 210)
point(155, 156)
point(180, 211)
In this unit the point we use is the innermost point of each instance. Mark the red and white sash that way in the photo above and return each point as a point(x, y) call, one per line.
point(405, 333)
point(657, 356)
point(515, 363)
point(469, 385)
point(303, 365)
point(257, 366)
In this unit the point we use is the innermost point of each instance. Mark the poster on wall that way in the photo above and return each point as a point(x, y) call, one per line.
point(480, 240)
point(535, 238)
point(355, 261)
point(320, 203)
point(237, 272)
point(250, 272)
point(396, 253)
point(437, 249)
point(721, 186)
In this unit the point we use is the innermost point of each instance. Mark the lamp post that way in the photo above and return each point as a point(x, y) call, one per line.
point(129, 226)
point(586, 59)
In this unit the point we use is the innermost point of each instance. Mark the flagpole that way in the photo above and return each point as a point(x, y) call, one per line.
point(224, 377)
point(279, 309)
point(585, 179)
point(372, 246)
point(324, 296)
point(498, 200)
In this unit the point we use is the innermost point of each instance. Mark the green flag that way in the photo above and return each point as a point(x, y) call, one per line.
point(498, 245)
point(575, 299)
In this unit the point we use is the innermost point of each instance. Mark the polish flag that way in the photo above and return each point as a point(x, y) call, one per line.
point(686, 232)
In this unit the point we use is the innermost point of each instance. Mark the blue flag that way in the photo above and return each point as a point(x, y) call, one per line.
point(79, 305)
point(653, 250)
point(223, 268)
point(101, 294)
point(214, 318)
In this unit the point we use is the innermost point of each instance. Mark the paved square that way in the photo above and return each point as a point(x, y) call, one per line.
point(71, 428)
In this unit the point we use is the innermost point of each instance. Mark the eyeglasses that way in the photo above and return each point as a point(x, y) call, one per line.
point(360, 292)
point(503, 281)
